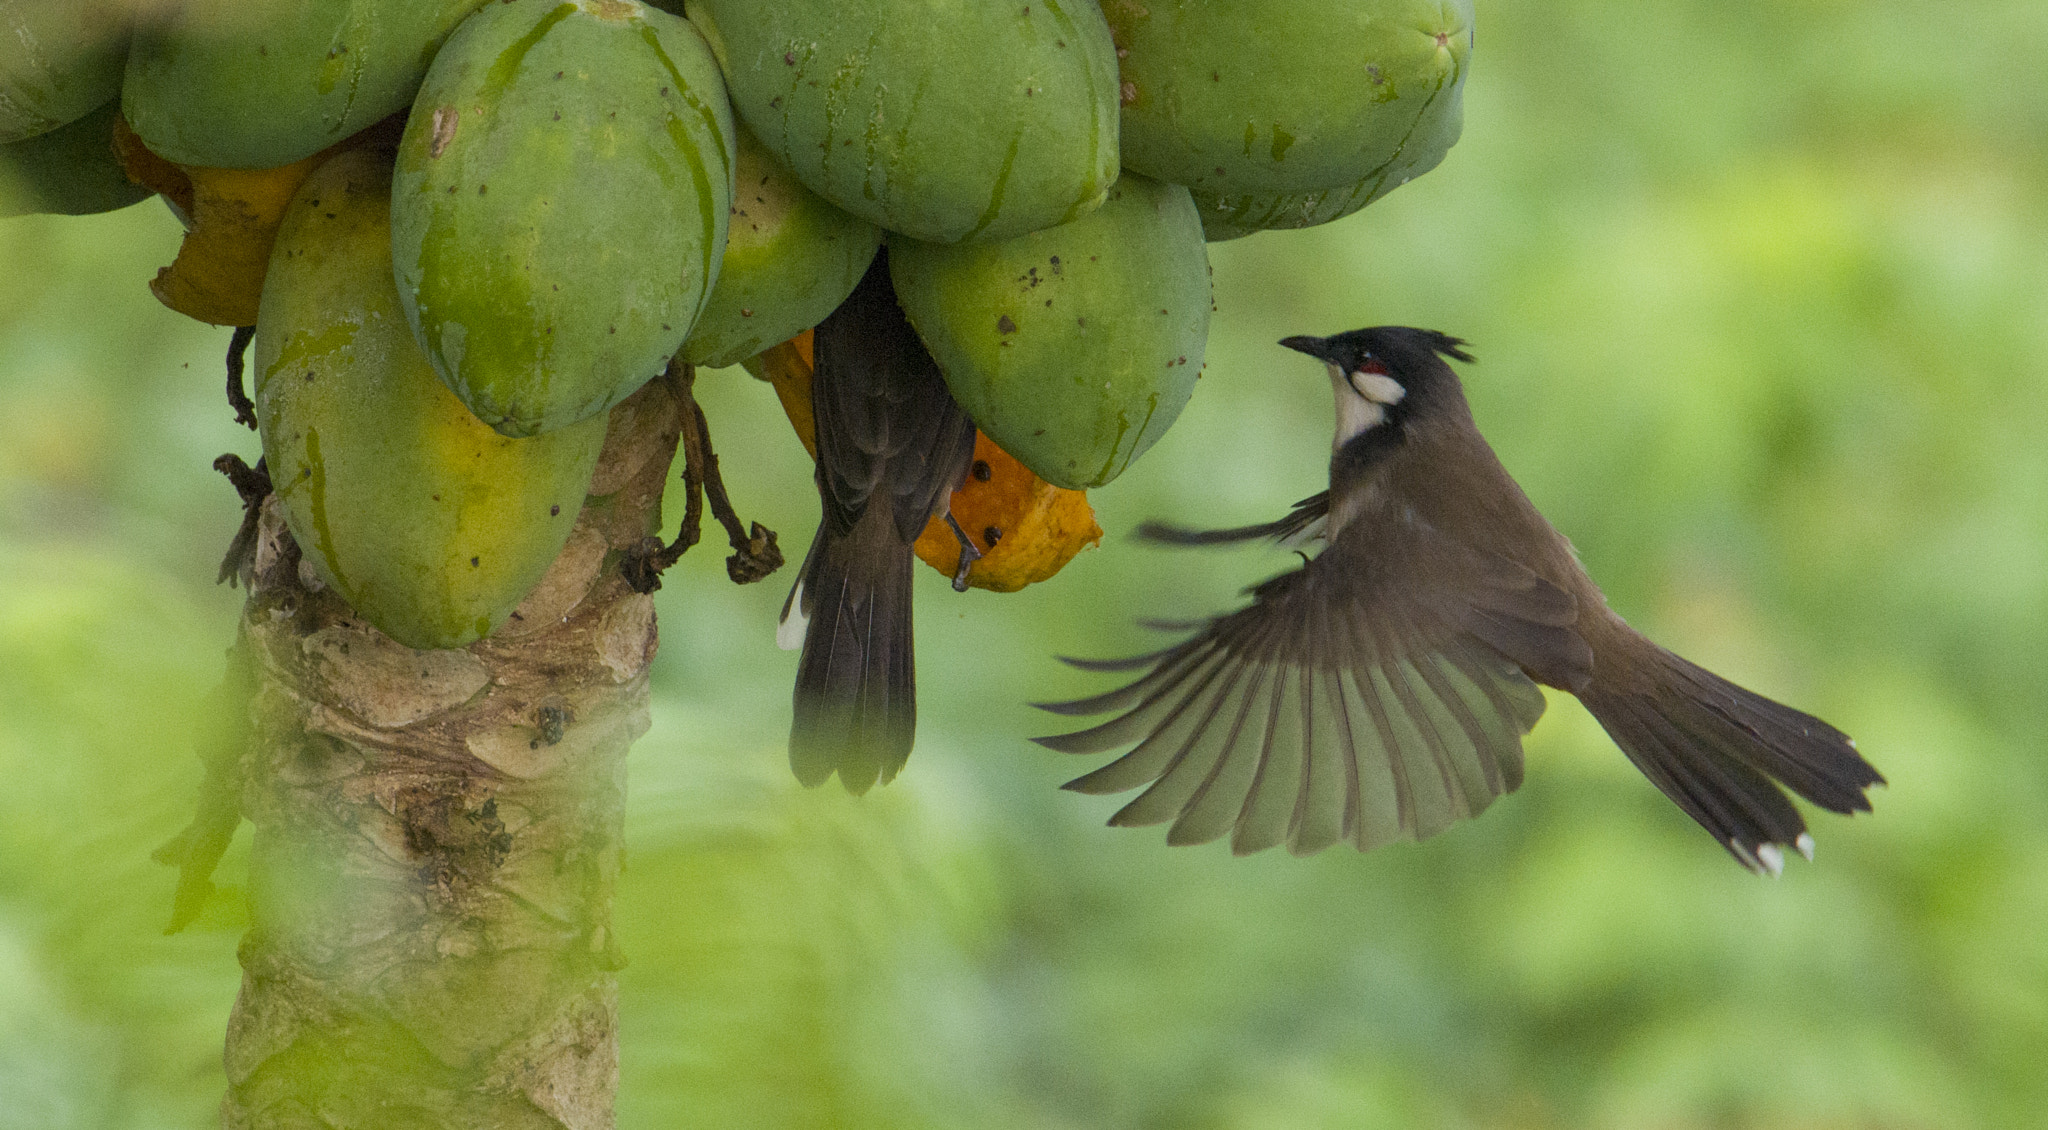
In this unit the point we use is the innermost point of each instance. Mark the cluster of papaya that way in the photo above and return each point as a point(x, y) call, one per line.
point(465, 229)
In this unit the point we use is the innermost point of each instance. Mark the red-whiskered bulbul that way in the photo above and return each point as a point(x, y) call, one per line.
point(1380, 691)
point(892, 446)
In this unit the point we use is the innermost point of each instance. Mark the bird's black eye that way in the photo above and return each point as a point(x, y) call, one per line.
point(1371, 364)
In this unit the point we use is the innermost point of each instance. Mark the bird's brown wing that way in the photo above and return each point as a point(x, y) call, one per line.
point(886, 422)
point(892, 443)
point(1365, 697)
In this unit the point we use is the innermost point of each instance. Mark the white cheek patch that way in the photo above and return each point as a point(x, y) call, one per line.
point(1355, 412)
point(1378, 387)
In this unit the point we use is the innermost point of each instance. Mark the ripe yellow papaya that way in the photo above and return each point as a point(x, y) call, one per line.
point(941, 121)
point(790, 259)
point(254, 84)
point(560, 205)
point(1076, 347)
point(1288, 96)
point(71, 170)
point(59, 61)
point(430, 524)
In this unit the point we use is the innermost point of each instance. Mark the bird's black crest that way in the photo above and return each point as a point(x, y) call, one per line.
point(1399, 347)
point(1452, 347)
point(1398, 342)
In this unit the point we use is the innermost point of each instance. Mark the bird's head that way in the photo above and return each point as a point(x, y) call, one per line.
point(1383, 373)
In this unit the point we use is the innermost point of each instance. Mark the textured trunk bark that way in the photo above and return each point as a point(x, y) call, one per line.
point(437, 835)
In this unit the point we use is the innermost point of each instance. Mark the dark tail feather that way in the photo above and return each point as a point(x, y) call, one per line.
point(856, 683)
point(1721, 752)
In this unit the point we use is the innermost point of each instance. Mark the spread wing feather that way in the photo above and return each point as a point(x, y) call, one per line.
point(1303, 523)
point(1282, 723)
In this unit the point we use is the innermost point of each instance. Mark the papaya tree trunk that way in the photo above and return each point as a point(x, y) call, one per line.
point(437, 835)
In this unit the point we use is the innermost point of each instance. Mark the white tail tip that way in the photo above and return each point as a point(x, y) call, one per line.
point(789, 634)
point(1772, 857)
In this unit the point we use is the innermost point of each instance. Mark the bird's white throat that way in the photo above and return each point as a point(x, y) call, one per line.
point(1362, 400)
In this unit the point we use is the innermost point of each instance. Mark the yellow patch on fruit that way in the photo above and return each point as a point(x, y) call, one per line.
point(1026, 528)
point(231, 218)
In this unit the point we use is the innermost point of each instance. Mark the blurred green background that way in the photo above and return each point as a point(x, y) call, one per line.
point(1760, 293)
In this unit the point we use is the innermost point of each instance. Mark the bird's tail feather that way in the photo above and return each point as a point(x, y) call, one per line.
point(1721, 752)
point(856, 684)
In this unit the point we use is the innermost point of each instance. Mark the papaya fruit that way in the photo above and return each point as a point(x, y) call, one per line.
point(431, 525)
point(71, 170)
point(561, 204)
point(1025, 528)
point(790, 259)
point(1288, 96)
point(945, 122)
point(59, 61)
point(1076, 347)
point(1233, 215)
point(254, 84)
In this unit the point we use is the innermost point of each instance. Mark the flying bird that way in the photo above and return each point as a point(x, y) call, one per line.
point(892, 446)
point(1381, 690)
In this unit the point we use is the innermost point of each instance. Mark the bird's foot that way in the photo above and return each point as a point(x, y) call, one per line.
point(968, 554)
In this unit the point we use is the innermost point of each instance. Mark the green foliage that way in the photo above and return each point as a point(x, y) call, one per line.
point(1757, 293)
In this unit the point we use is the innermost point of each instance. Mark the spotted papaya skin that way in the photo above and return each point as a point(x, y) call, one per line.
point(1288, 96)
point(790, 259)
point(254, 84)
point(945, 122)
point(431, 525)
point(560, 205)
point(1076, 347)
point(1235, 215)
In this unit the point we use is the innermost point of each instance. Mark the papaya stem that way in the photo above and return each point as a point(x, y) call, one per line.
point(432, 871)
point(238, 396)
point(755, 553)
point(253, 484)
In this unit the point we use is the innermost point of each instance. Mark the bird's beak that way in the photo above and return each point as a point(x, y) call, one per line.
point(1316, 347)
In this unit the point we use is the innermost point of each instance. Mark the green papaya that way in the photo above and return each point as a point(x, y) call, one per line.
point(1288, 96)
point(790, 259)
point(945, 122)
point(1073, 348)
point(254, 84)
point(1231, 215)
point(431, 525)
point(71, 170)
point(59, 61)
point(561, 204)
